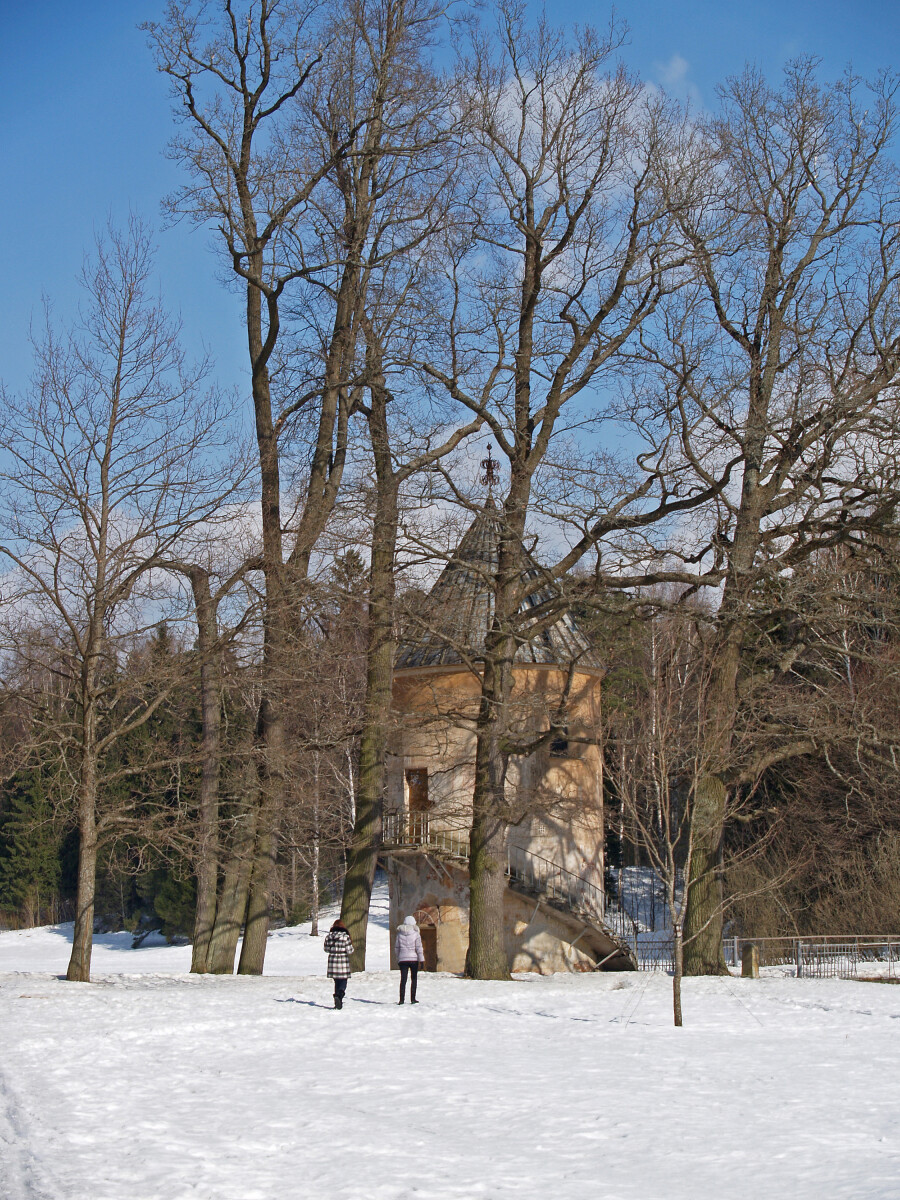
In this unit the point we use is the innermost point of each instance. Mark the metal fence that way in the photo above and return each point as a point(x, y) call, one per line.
point(843, 956)
point(839, 956)
point(653, 952)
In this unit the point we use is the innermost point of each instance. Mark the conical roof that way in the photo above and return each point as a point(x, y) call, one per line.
point(460, 609)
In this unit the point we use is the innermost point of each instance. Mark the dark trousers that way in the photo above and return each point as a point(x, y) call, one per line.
point(411, 969)
point(340, 986)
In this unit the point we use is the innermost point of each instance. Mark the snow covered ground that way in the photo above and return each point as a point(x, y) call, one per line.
point(289, 952)
point(151, 1084)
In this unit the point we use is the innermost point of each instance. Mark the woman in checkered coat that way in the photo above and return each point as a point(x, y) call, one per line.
point(338, 947)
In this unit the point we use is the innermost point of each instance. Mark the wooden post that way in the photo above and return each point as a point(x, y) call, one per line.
point(750, 960)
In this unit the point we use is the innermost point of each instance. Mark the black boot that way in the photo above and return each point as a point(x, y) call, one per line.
point(338, 1001)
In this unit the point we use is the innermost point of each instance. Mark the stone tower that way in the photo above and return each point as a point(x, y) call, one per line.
point(554, 911)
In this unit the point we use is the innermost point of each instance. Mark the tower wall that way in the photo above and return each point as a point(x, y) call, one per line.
point(556, 793)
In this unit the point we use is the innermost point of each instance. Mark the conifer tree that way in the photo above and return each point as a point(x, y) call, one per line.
point(30, 847)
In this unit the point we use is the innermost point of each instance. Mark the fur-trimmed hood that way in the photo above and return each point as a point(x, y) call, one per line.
point(408, 944)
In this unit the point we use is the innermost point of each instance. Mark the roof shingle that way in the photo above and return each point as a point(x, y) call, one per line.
point(460, 609)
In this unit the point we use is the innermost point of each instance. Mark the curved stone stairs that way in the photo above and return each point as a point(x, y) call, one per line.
point(596, 924)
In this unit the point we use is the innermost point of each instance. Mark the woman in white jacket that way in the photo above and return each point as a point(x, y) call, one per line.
point(408, 948)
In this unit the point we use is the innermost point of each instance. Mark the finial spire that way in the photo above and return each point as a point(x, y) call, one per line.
point(490, 473)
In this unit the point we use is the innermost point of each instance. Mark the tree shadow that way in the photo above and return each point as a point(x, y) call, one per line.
point(307, 1003)
point(316, 1004)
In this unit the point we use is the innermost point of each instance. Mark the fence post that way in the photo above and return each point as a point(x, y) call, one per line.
point(798, 956)
point(749, 960)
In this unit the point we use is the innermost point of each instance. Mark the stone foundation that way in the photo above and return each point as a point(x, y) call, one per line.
point(538, 937)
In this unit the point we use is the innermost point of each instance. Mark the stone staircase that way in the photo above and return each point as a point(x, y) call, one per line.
point(604, 924)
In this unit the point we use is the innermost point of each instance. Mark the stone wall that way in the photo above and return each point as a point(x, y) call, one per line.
point(558, 796)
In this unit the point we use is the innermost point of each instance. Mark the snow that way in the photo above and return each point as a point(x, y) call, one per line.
point(641, 896)
point(152, 1084)
point(290, 951)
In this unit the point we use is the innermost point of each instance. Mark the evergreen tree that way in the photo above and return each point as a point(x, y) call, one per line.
point(30, 848)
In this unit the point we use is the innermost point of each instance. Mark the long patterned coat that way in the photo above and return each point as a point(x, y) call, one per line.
point(338, 947)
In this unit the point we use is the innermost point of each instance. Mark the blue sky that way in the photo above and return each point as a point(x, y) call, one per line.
point(86, 118)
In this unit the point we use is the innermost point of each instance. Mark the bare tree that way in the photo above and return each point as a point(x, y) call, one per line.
point(211, 589)
point(109, 461)
point(325, 717)
point(237, 83)
point(653, 736)
point(415, 197)
point(834, 620)
point(307, 124)
point(572, 248)
point(783, 357)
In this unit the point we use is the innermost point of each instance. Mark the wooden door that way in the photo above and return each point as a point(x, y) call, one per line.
point(429, 945)
point(417, 790)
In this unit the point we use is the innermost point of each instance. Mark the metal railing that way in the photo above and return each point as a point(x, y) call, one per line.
point(841, 956)
point(653, 951)
point(641, 894)
point(532, 871)
point(420, 829)
point(549, 879)
point(824, 956)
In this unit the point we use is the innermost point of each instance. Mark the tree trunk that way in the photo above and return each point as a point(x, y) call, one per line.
point(271, 778)
point(79, 970)
point(488, 846)
point(314, 924)
point(211, 716)
point(678, 972)
point(489, 835)
point(703, 923)
point(704, 899)
point(233, 898)
point(231, 908)
point(487, 957)
point(316, 901)
point(276, 614)
point(256, 919)
point(362, 859)
point(351, 787)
